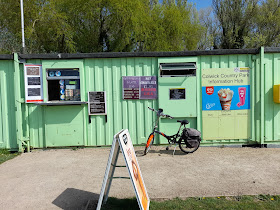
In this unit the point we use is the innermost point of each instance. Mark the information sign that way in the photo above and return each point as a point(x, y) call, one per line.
point(225, 103)
point(33, 83)
point(97, 103)
point(140, 87)
point(122, 141)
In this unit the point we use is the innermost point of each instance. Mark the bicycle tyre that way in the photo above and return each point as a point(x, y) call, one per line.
point(184, 147)
point(149, 143)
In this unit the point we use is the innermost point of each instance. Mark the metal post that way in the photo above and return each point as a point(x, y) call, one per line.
point(22, 26)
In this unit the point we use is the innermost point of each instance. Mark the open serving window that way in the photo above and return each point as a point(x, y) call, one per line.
point(177, 69)
point(63, 85)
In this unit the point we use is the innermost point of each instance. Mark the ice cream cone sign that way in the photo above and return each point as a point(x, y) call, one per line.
point(225, 96)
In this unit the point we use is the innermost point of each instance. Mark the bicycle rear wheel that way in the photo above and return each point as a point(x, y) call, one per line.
point(186, 145)
point(149, 143)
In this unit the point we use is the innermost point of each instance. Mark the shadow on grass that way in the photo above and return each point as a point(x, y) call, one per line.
point(115, 203)
point(75, 199)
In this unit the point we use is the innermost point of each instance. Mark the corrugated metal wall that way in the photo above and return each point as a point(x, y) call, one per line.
point(8, 137)
point(270, 76)
point(102, 75)
point(105, 74)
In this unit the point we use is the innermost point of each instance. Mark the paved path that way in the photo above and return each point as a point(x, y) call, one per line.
point(67, 179)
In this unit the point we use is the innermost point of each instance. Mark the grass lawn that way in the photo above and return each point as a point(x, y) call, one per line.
point(6, 155)
point(237, 202)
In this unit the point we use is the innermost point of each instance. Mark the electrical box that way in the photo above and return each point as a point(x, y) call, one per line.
point(276, 94)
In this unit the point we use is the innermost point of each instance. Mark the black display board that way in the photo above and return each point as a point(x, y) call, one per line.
point(177, 93)
point(96, 97)
point(33, 81)
point(34, 91)
point(97, 103)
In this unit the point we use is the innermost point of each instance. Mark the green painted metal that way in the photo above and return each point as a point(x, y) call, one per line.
point(8, 137)
point(106, 75)
point(43, 126)
point(271, 115)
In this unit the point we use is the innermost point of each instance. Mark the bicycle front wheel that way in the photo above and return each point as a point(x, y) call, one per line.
point(149, 143)
point(189, 146)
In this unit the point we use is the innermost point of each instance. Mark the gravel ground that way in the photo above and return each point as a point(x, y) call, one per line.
point(68, 179)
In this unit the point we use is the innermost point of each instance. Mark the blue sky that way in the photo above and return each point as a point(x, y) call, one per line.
point(201, 3)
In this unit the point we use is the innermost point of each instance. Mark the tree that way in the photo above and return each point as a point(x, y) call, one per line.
point(174, 26)
point(69, 26)
point(211, 36)
point(235, 19)
point(46, 29)
point(266, 30)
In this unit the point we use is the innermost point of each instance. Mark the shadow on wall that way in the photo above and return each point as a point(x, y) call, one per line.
point(75, 199)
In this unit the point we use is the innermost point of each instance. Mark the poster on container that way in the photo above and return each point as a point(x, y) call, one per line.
point(33, 83)
point(225, 103)
point(139, 87)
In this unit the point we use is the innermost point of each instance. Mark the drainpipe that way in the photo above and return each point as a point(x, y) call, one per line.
point(262, 90)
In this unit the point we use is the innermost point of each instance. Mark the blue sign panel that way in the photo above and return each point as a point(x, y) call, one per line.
point(225, 97)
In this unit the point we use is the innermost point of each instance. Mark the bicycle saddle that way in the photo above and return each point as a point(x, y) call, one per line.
point(183, 122)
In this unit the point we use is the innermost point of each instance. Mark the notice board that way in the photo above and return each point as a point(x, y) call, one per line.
point(97, 103)
point(33, 83)
point(139, 87)
point(225, 103)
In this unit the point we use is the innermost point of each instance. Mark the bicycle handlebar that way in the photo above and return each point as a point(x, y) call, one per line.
point(160, 113)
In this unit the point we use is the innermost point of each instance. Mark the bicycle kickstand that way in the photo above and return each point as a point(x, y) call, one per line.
point(174, 149)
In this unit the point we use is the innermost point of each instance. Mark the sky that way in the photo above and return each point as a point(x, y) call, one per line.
point(201, 3)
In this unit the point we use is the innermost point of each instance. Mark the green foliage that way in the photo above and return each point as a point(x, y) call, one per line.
point(98, 26)
point(235, 19)
point(266, 31)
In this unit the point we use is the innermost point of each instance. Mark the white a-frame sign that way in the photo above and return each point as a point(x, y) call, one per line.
point(122, 141)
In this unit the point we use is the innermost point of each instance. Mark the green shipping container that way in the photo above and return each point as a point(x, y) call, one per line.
point(187, 87)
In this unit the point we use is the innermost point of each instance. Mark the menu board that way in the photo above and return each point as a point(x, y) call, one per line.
point(177, 93)
point(33, 83)
point(97, 103)
point(139, 87)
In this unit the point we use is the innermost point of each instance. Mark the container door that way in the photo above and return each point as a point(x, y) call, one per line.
point(177, 93)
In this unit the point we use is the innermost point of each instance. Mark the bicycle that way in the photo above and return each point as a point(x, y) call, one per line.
point(188, 140)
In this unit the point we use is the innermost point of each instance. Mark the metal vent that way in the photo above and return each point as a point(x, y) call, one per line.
point(177, 69)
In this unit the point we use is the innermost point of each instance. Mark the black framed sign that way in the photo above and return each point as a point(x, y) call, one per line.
point(177, 93)
point(97, 103)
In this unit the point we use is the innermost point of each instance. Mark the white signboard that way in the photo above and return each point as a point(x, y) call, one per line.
point(33, 83)
point(123, 141)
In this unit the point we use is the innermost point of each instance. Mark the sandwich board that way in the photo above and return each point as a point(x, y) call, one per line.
point(122, 141)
